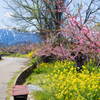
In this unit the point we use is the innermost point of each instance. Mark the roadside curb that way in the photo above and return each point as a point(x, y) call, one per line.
point(21, 78)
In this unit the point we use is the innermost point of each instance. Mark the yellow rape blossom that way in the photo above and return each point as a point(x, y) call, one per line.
point(68, 84)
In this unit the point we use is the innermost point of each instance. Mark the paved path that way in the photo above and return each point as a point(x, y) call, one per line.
point(8, 67)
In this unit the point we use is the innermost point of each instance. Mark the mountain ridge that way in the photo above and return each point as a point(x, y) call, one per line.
point(11, 37)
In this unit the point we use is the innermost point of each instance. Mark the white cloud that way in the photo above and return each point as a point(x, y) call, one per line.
point(8, 14)
point(4, 27)
point(9, 28)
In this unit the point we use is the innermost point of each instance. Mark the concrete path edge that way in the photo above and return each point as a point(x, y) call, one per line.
point(21, 78)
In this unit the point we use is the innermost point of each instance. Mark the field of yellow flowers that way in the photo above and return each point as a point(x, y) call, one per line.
point(62, 82)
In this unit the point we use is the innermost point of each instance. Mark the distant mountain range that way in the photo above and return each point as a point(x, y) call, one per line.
point(10, 37)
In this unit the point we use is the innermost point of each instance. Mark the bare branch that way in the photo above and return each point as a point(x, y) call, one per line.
point(70, 2)
point(89, 11)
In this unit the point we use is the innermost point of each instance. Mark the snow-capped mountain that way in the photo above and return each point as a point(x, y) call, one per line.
point(10, 37)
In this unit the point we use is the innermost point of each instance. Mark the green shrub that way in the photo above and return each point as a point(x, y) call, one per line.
point(37, 70)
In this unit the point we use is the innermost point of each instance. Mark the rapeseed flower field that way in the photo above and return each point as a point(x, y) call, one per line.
point(65, 83)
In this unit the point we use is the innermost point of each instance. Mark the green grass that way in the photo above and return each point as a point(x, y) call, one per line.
point(35, 79)
point(3, 53)
point(31, 62)
point(18, 55)
point(39, 95)
point(15, 55)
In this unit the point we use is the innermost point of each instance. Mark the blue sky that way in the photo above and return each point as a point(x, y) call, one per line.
point(2, 13)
